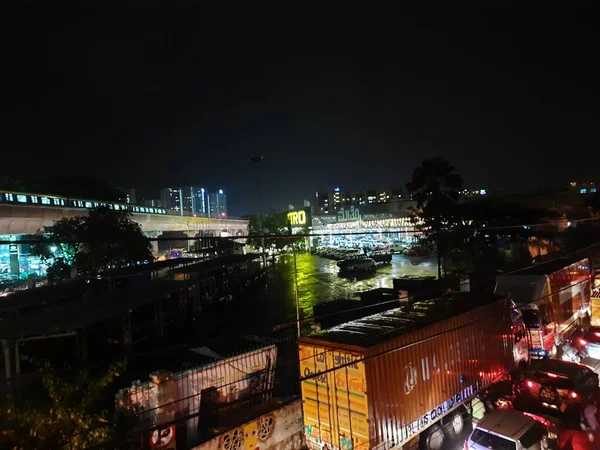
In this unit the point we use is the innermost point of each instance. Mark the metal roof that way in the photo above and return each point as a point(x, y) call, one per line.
point(93, 309)
point(376, 328)
point(216, 263)
point(507, 422)
point(549, 267)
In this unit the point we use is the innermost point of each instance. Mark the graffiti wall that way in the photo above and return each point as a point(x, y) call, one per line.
point(280, 429)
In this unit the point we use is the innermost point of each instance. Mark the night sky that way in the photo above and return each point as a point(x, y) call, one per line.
point(175, 93)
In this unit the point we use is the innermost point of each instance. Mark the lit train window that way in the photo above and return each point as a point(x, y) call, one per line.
point(45, 201)
point(95, 204)
point(9, 197)
point(22, 198)
point(56, 201)
point(152, 210)
point(88, 204)
point(117, 207)
point(62, 202)
point(34, 199)
point(80, 203)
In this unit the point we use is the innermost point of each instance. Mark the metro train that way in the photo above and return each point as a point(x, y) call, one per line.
point(21, 198)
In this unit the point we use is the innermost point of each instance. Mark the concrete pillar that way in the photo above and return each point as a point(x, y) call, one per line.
point(154, 235)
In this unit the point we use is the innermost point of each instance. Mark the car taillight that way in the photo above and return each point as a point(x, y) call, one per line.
point(597, 333)
point(582, 341)
point(529, 384)
point(573, 394)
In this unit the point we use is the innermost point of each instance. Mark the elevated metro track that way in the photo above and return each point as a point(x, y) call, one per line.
point(29, 219)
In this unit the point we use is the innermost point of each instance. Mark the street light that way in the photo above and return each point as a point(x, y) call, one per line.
point(258, 159)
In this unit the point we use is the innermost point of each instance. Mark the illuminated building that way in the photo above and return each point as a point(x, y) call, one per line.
point(322, 204)
point(172, 198)
point(152, 202)
point(337, 201)
point(128, 195)
point(583, 187)
point(218, 204)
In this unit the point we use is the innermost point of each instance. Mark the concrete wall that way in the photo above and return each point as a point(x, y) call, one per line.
point(280, 429)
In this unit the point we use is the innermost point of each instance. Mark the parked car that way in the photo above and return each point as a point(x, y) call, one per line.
point(508, 429)
point(357, 264)
point(556, 384)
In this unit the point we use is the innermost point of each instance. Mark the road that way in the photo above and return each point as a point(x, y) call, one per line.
point(318, 281)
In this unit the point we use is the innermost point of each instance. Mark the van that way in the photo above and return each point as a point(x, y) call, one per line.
point(508, 429)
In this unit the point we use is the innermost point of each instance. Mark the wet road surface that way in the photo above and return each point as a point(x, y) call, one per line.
point(318, 281)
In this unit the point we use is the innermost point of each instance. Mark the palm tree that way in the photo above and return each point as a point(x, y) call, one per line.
point(435, 186)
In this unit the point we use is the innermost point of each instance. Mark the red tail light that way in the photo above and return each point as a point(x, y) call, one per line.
point(597, 333)
point(573, 394)
point(529, 384)
point(582, 341)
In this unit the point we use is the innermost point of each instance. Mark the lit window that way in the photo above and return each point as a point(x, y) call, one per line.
point(483, 192)
point(117, 207)
point(45, 201)
point(34, 199)
point(573, 183)
point(593, 190)
point(56, 201)
point(95, 204)
point(583, 191)
point(9, 197)
point(22, 198)
point(88, 204)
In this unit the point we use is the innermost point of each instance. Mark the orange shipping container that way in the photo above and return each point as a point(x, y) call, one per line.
point(379, 381)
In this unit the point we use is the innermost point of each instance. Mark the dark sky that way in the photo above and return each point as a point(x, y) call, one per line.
point(176, 93)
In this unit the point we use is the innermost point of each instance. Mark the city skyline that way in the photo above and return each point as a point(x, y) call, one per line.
point(355, 97)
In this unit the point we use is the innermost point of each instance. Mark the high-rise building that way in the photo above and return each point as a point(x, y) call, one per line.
point(195, 200)
point(322, 202)
point(218, 204)
point(172, 198)
point(337, 199)
point(152, 202)
point(128, 195)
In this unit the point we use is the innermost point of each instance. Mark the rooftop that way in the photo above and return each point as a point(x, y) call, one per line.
point(376, 328)
point(216, 263)
point(549, 267)
point(507, 422)
point(96, 308)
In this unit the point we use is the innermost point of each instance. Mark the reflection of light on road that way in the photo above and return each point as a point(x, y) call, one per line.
point(319, 281)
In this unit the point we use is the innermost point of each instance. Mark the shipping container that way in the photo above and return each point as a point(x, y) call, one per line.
point(386, 379)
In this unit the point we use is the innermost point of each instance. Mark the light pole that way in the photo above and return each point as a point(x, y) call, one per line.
point(296, 283)
point(258, 159)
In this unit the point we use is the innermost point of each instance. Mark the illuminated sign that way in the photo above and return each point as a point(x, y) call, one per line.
point(297, 218)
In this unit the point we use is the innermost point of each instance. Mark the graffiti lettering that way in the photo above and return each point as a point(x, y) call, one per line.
point(320, 378)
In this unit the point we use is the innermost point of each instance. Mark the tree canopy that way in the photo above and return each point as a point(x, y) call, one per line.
point(435, 186)
point(67, 415)
point(89, 244)
point(273, 224)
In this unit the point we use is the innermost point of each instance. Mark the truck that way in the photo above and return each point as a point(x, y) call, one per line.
point(553, 297)
point(404, 376)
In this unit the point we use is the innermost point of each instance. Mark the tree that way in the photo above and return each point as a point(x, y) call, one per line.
point(90, 244)
point(435, 186)
point(481, 227)
point(67, 415)
point(274, 224)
